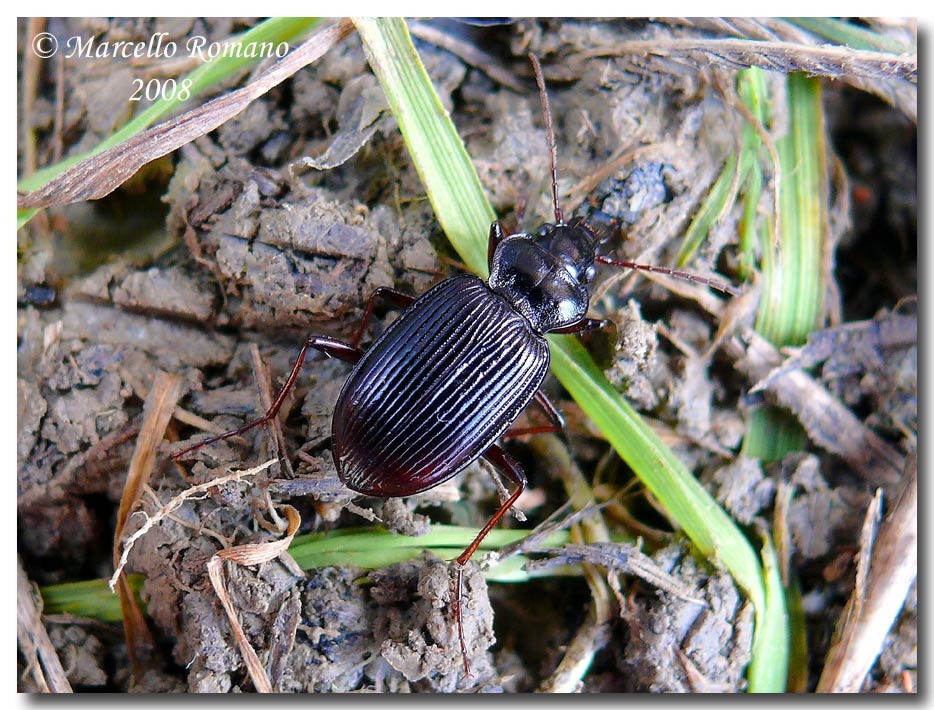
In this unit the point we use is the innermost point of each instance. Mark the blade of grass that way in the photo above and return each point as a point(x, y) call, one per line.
point(685, 499)
point(365, 548)
point(91, 599)
point(388, 46)
point(768, 670)
point(208, 75)
point(792, 266)
point(717, 202)
point(842, 32)
point(753, 93)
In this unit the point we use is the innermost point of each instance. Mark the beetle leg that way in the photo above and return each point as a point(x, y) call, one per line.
point(497, 234)
point(502, 462)
point(551, 411)
point(329, 346)
point(584, 326)
point(398, 298)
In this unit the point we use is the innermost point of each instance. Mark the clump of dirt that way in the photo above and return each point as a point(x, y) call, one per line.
point(676, 645)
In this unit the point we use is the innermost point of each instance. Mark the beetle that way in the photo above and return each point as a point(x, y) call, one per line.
point(449, 377)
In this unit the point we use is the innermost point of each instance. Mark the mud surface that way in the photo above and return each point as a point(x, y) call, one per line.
point(243, 249)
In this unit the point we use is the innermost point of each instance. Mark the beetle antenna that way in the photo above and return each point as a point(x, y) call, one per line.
point(676, 273)
point(549, 130)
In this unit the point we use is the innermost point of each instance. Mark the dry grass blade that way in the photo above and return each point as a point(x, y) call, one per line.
point(256, 553)
point(785, 57)
point(893, 77)
point(249, 554)
point(34, 643)
point(157, 411)
point(101, 174)
point(470, 53)
point(253, 664)
point(884, 576)
point(578, 657)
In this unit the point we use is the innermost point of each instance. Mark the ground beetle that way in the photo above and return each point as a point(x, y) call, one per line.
point(451, 374)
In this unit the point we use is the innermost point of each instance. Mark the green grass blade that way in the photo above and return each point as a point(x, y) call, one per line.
point(853, 36)
point(372, 548)
point(91, 599)
point(793, 278)
point(753, 92)
point(206, 76)
point(689, 504)
point(716, 203)
point(686, 500)
point(364, 548)
point(792, 266)
point(768, 671)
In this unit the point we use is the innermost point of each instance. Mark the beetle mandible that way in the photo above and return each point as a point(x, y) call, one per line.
point(447, 379)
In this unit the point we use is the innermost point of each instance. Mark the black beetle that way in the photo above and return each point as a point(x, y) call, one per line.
point(451, 374)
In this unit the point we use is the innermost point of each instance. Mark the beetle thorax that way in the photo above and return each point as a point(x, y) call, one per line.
point(545, 285)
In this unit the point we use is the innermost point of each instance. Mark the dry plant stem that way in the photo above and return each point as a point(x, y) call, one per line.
point(253, 664)
point(175, 503)
point(901, 93)
point(58, 127)
point(157, 412)
point(781, 532)
point(101, 174)
point(785, 57)
point(593, 635)
point(884, 576)
point(469, 53)
point(892, 77)
point(567, 678)
point(827, 421)
point(249, 554)
point(41, 658)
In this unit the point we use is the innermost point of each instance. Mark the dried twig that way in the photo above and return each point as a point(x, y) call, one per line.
point(33, 639)
point(832, 62)
point(469, 53)
point(893, 77)
point(884, 576)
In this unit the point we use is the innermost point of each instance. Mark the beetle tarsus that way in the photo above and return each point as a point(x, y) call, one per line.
point(458, 618)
